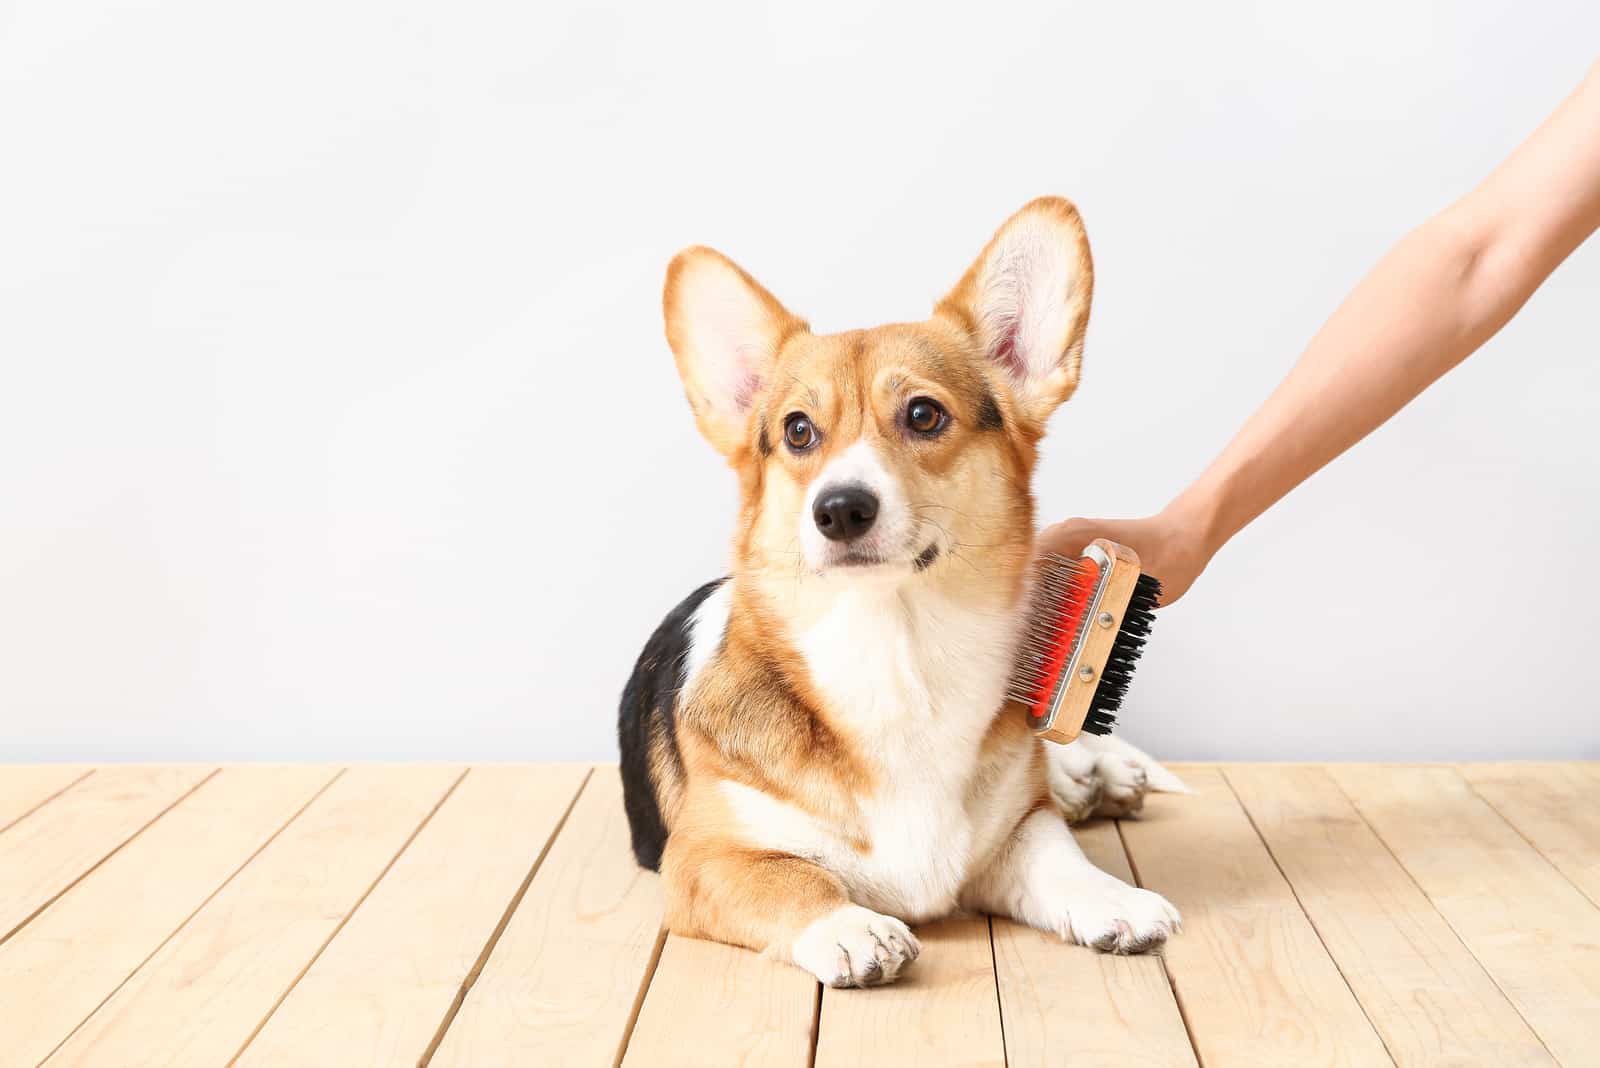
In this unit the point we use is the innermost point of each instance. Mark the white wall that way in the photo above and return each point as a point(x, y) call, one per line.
point(336, 421)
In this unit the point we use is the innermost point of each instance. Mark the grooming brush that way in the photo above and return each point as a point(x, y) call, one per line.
point(1091, 616)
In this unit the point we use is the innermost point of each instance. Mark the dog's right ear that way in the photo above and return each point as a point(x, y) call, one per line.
point(725, 332)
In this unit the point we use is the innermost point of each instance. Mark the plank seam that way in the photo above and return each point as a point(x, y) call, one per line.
point(999, 1003)
point(1440, 912)
point(1301, 905)
point(1531, 843)
point(1172, 980)
point(184, 922)
point(30, 917)
point(45, 801)
point(326, 942)
point(478, 965)
point(816, 1023)
point(638, 998)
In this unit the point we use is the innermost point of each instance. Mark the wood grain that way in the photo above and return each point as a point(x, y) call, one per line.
point(204, 993)
point(714, 1004)
point(564, 981)
point(43, 855)
point(24, 787)
point(1555, 806)
point(1064, 1004)
point(943, 1010)
point(338, 918)
point(56, 970)
point(380, 991)
point(1530, 928)
point(1255, 983)
point(1426, 994)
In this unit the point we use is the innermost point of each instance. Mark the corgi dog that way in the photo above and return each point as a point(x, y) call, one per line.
point(817, 751)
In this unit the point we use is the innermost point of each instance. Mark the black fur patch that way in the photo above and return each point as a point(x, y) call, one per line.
point(989, 414)
point(926, 557)
point(647, 719)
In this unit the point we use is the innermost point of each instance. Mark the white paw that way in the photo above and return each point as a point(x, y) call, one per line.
point(853, 946)
point(1157, 778)
point(1114, 917)
point(1124, 782)
point(1101, 775)
point(1074, 783)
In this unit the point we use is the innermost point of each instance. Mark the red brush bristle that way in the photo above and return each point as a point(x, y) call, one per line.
point(1062, 619)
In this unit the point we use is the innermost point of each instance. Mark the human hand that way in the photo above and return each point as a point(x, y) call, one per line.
point(1168, 549)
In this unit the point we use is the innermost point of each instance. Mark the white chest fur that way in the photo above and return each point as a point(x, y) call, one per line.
point(916, 679)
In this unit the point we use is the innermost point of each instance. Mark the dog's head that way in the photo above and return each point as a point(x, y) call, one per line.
point(898, 452)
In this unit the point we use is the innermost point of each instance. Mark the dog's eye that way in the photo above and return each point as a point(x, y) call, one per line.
point(925, 416)
point(798, 432)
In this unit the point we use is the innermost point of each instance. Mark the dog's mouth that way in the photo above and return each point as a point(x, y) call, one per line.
point(864, 558)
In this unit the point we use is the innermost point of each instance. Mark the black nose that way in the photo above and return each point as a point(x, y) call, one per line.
point(845, 512)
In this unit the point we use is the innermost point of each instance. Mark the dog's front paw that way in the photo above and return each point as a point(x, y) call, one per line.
point(1114, 917)
point(854, 946)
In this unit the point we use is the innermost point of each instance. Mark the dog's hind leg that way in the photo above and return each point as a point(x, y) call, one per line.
point(785, 906)
point(1158, 778)
point(1102, 775)
point(1074, 779)
point(1126, 774)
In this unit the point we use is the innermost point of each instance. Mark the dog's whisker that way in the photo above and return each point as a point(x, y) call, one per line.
point(962, 557)
point(958, 511)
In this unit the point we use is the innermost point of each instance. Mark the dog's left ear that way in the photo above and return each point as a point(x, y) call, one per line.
point(1025, 300)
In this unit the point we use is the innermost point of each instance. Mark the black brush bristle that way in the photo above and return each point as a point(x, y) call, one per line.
point(1125, 653)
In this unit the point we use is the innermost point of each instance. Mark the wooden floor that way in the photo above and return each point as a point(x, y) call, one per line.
point(379, 914)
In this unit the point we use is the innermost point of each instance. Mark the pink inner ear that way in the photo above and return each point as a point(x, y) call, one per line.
point(745, 390)
point(1005, 354)
point(733, 374)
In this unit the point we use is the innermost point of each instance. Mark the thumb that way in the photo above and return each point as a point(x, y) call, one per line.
point(1068, 538)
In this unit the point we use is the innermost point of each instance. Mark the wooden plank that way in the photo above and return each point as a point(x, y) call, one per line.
point(711, 1003)
point(55, 971)
point(1555, 806)
point(380, 991)
point(24, 787)
point(1255, 983)
point(203, 994)
point(942, 1010)
point(1531, 929)
point(564, 981)
point(1065, 1004)
point(1426, 994)
point(43, 855)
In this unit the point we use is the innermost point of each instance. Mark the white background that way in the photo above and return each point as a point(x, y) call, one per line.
point(336, 420)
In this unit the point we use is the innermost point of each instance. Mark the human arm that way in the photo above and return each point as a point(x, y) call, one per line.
point(1434, 299)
